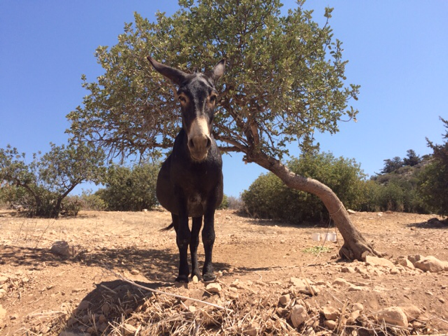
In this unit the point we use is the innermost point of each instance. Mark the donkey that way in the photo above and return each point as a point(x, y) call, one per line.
point(190, 181)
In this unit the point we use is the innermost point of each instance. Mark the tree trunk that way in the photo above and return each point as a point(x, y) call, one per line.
point(355, 246)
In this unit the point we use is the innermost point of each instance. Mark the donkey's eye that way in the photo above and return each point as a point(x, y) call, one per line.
point(182, 99)
point(213, 99)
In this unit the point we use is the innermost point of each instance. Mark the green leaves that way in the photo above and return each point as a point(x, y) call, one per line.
point(42, 184)
point(284, 79)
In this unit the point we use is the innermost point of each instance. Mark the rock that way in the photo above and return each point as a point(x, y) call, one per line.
point(2, 313)
point(105, 308)
point(357, 306)
point(431, 264)
point(414, 258)
point(304, 286)
point(341, 282)
point(298, 315)
point(252, 330)
point(330, 324)
point(3, 279)
point(375, 261)
point(214, 288)
point(347, 269)
point(61, 248)
point(412, 312)
point(330, 313)
point(392, 315)
point(404, 261)
point(83, 305)
point(351, 212)
point(284, 299)
point(353, 317)
point(135, 272)
point(195, 279)
point(355, 288)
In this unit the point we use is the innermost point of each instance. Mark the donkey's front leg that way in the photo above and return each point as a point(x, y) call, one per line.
point(183, 237)
point(194, 243)
point(208, 239)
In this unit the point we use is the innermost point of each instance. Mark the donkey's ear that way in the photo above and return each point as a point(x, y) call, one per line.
point(176, 76)
point(218, 71)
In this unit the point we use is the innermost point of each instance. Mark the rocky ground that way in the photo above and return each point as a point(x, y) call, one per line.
point(113, 272)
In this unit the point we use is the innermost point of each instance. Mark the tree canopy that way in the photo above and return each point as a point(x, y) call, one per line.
point(285, 79)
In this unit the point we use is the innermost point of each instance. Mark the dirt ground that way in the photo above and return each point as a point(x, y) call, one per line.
point(265, 271)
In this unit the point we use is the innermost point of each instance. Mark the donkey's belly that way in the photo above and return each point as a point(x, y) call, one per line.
point(195, 205)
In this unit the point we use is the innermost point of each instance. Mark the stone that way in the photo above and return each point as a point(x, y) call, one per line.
point(298, 315)
point(2, 313)
point(304, 286)
point(431, 264)
point(83, 305)
point(414, 258)
point(61, 248)
point(358, 306)
point(351, 212)
point(347, 269)
point(375, 261)
point(284, 299)
point(135, 272)
point(330, 324)
point(214, 288)
point(195, 279)
point(392, 315)
point(412, 312)
point(330, 313)
point(341, 282)
point(353, 317)
point(404, 261)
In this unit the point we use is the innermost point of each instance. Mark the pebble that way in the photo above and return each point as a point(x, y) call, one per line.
point(392, 315)
point(214, 288)
point(298, 315)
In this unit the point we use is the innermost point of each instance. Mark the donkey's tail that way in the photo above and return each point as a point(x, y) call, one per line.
point(169, 227)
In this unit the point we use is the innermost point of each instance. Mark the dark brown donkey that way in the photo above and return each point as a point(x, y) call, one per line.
point(190, 182)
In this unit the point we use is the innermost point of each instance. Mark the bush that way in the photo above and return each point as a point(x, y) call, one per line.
point(130, 189)
point(91, 201)
point(225, 203)
point(433, 184)
point(268, 197)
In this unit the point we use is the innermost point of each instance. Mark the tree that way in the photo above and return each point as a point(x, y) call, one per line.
point(434, 178)
point(285, 80)
point(43, 184)
point(393, 165)
point(130, 189)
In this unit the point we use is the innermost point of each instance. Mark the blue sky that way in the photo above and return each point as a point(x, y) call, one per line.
point(397, 52)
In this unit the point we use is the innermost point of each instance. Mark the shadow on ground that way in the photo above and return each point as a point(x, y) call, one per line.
point(433, 223)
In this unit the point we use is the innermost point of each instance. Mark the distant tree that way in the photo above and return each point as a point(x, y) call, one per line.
point(285, 81)
point(434, 178)
point(130, 188)
point(42, 185)
point(392, 165)
point(412, 159)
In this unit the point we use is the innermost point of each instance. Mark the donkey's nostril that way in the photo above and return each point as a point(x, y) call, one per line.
point(191, 143)
point(209, 142)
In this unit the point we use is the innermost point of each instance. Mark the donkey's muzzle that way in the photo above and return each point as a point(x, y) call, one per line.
point(199, 146)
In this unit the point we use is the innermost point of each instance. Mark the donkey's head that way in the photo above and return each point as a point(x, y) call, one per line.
point(198, 98)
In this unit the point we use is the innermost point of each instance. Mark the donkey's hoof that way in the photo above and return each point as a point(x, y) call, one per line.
point(208, 277)
point(182, 279)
